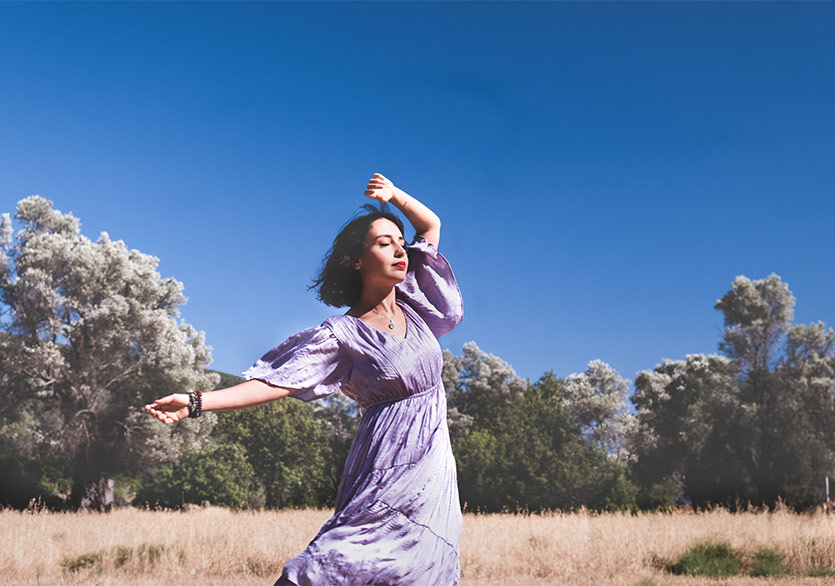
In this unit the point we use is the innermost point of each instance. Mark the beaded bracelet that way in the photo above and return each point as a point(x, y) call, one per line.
point(195, 404)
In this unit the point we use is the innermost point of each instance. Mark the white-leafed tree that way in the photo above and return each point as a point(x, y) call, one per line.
point(92, 333)
point(596, 400)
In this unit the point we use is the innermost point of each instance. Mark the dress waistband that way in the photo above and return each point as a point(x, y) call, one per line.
point(433, 389)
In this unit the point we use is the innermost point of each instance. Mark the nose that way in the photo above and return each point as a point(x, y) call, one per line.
point(399, 249)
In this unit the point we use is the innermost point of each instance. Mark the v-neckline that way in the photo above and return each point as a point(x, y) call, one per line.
point(402, 307)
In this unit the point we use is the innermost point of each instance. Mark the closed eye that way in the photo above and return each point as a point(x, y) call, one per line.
point(382, 242)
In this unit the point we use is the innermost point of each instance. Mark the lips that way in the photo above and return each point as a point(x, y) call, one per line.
point(400, 265)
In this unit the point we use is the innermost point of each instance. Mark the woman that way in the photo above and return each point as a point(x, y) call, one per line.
point(398, 518)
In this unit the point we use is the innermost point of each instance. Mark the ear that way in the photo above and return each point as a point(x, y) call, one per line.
point(357, 265)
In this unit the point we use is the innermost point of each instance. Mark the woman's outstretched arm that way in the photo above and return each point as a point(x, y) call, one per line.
point(174, 407)
point(423, 220)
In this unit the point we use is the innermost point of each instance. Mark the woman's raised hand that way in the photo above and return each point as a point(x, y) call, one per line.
point(169, 409)
point(379, 188)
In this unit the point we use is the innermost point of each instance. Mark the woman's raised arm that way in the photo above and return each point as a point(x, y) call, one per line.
point(425, 222)
point(174, 407)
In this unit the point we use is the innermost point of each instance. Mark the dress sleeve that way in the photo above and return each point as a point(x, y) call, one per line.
point(311, 361)
point(430, 288)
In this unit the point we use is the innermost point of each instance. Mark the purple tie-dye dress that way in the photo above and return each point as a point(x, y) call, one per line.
point(398, 517)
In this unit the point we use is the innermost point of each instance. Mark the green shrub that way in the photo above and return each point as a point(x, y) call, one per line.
point(821, 572)
point(217, 474)
point(767, 562)
point(708, 559)
point(145, 555)
point(23, 479)
point(123, 555)
point(84, 561)
point(657, 497)
point(287, 449)
point(152, 552)
point(720, 559)
point(803, 499)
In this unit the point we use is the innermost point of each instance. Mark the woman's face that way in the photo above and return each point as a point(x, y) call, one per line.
point(383, 260)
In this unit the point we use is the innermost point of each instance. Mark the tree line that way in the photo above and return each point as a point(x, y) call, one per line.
point(91, 332)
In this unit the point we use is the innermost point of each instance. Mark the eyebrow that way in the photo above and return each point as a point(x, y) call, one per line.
point(403, 238)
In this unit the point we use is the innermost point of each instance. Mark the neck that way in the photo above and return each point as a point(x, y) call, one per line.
point(381, 301)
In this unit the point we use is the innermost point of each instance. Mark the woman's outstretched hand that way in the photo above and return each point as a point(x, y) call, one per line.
point(169, 409)
point(380, 188)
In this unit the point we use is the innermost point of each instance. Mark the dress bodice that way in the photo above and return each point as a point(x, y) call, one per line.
point(369, 365)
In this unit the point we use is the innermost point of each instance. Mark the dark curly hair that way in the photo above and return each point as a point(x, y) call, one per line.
point(338, 283)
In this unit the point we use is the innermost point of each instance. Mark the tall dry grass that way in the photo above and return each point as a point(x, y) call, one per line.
point(217, 546)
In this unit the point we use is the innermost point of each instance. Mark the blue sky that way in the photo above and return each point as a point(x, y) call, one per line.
point(603, 170)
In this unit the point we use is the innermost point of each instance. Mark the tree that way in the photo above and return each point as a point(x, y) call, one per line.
point(757, 315)
point(287, 448)
point(477, 383)
point(216, 474)
point(786, 388)
point(340, 416)
point(689, 438)
point(520, 448)
point(596, 400)
point(94, 334)
point(756, 424)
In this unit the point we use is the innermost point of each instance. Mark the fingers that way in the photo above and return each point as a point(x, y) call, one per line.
point(379, 188)
point(168, 409)
point(378, 180)
point(157, 414)
point(170, 418)
point(165, 416)
point(160, 402)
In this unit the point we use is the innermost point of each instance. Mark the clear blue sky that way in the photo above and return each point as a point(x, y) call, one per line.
point(603, 170)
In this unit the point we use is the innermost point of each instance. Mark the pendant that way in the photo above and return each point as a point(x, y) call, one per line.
point(391, 324)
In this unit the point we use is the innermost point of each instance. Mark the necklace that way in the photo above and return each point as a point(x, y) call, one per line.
point(391, 319)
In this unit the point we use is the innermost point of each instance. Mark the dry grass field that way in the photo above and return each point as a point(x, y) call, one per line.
point(219, 547)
